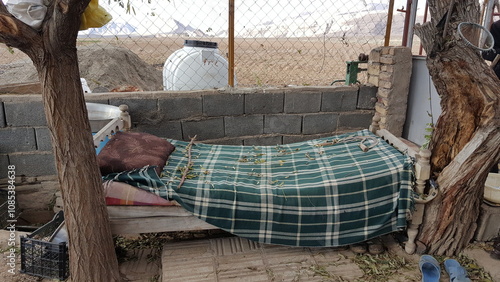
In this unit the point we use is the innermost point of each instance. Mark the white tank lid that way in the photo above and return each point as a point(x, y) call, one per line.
point(198, 43)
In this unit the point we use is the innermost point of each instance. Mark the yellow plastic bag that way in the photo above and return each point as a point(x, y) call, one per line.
point(94, 16)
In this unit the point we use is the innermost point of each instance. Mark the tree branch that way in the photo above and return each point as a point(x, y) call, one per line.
point(15, 33)
point(3, 8)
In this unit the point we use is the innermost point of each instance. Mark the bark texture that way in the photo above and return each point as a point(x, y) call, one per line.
point(465, 140)
point(53, 52)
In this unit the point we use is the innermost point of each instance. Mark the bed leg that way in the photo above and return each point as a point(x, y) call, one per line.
point(413, 227)
point(375, 124)
point(125, 117)
point(422, 174)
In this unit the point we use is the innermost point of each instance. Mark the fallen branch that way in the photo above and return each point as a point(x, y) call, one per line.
point(189, 164)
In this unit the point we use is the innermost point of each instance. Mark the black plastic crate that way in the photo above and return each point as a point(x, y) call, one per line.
point(42, 258)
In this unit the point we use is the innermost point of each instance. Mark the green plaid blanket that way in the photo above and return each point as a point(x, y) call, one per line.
point(301, 194)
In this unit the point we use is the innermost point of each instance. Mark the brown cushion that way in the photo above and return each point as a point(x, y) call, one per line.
point(132, 150)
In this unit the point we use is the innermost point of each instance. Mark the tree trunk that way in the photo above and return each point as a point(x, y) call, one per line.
point(465, 140)
point(92, 256)
point(54, 54)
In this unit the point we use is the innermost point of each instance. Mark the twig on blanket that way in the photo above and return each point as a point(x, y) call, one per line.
point(361, 140)
point(189, 164)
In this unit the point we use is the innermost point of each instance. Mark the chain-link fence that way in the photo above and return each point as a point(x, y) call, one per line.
point(276, 43)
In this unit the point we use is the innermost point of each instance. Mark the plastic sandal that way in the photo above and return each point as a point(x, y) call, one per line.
point(456, 271)
point(429, 266)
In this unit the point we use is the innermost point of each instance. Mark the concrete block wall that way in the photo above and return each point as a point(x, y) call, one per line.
point(235, 117)
point(389, 69)
point(251, 116)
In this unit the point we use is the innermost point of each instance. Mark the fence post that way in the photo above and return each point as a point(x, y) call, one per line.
point(388, 27)
point(231, 44)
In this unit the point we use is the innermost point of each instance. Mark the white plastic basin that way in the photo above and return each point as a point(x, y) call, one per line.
point(492, 188)
point(101, 114)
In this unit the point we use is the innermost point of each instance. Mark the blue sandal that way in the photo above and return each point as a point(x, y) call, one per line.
point(429, 266)
point(456, 271)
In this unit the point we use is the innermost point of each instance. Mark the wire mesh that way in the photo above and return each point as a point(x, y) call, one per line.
point(277, 43)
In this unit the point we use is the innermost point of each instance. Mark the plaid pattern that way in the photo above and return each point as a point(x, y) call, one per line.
point(299, 194)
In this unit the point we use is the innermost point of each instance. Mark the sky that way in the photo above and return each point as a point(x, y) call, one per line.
point(211, 16)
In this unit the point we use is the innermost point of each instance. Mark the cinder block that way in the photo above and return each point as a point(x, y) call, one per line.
point(355, 120)
point(17, 139)
point(141, 110)
point(223, 104)
point(35, 164)
point(264, 103)
point(203, 129)
point(282, 124)
point(4, 163)
point(320, 123)
point(489, 223)
point(43, 140)
point(340, 100)
point(2, 116)
point(367, 97)
point(171, 129)
point(244, 125)
point(176, 108)
point(305, 102)
point(24, 114)
point(227, 141)
point(288, 139)
point(263, 141)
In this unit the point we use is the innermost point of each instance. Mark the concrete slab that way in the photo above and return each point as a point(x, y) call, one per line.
point(141, 269)
point(234, 258)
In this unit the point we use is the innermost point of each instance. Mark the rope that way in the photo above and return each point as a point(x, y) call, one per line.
point(468, 43)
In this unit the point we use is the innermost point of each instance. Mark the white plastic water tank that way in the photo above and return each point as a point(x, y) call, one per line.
point(198, 65)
